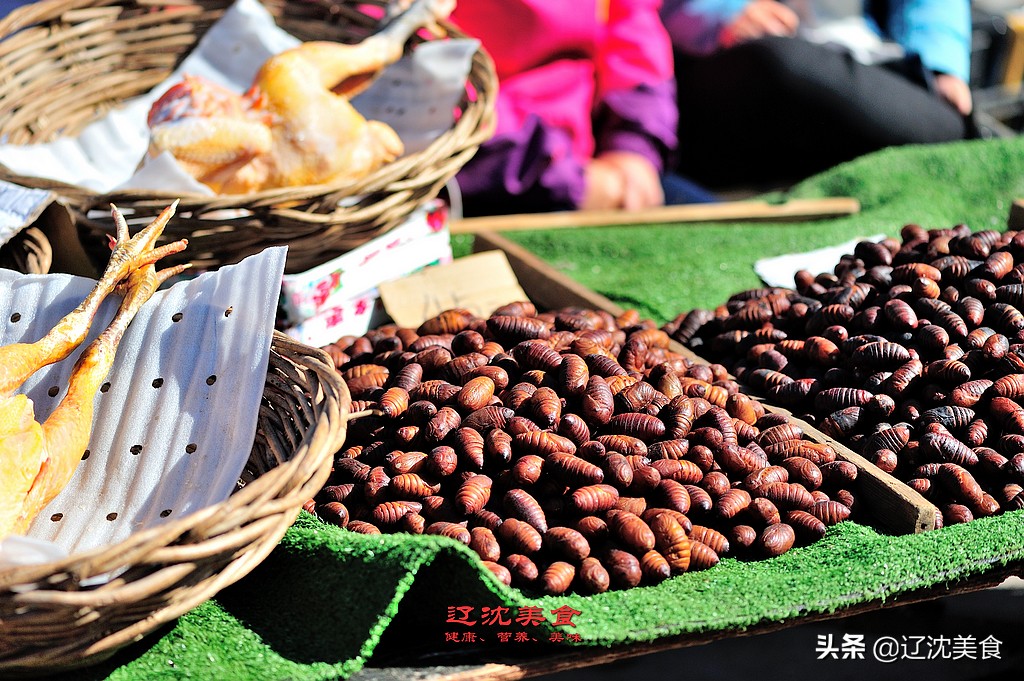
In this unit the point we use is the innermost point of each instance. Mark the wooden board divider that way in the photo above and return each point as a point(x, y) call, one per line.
point(895, 506)
point(1015, 221)
point(725, 211)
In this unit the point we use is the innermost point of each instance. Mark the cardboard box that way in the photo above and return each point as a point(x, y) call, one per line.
point(895, 506)
point(421, 240)
point(341, 298)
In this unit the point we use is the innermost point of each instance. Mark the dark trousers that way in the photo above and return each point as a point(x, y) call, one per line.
point(776, 110)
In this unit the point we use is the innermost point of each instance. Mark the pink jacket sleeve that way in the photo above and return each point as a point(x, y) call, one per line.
point(636, 50)
point(575, 79)
point(636, 105)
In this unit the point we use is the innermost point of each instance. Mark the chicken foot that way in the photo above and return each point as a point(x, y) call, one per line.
point(38, 459)
point(18, 361)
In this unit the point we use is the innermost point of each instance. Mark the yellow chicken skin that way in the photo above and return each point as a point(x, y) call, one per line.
point(38, 459)
point(295, 125)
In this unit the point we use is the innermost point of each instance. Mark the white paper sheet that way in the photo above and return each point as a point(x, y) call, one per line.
point(416, 96)
point(172, 433)
point(19, 207)
point(779, 270)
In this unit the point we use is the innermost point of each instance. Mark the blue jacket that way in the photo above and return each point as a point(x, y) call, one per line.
point(939, 31)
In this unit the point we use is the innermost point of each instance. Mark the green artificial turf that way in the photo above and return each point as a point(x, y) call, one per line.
point(318, 606)
point(326, 599)
point(675, 268)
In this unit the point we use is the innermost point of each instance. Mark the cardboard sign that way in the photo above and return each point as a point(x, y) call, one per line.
point(479, 283)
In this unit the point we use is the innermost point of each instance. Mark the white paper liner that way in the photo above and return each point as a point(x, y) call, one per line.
point(19, 207)
point(416, 96)
point(779, 270)
point(168, 439)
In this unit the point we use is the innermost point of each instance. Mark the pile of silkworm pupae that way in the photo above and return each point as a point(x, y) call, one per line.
point(571, 450)
point(911, 352)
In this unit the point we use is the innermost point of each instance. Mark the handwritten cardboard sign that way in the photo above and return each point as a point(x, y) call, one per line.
point(479, 283)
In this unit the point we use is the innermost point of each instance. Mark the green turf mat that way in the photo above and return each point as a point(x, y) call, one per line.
point(318, 606)
point(325, 600)
point(674, 268)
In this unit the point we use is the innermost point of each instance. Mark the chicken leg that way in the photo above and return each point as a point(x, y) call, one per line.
point(38, 459)
point(18, 361)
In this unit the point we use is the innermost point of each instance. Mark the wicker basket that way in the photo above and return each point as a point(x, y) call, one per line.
point(50, 620)
point(28, 252)
point(64, 63)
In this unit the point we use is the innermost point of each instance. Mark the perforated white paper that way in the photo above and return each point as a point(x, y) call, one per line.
point(416, 96)
point(176, 424)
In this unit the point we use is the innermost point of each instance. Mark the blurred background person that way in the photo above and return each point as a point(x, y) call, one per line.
point(586, 110)
point(771, 92)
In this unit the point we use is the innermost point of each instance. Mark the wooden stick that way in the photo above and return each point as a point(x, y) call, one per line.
point(727, 211)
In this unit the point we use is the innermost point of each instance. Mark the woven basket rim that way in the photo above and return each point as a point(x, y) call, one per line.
point(260, 512)
point(264, 197)
point(317, 222)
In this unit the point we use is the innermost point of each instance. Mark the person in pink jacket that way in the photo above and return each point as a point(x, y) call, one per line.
point(586, 110)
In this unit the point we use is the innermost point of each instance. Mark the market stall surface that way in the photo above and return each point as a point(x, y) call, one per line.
point(851, 648)
point(327, 601)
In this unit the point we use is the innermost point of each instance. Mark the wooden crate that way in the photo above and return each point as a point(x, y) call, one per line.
point(894, 506)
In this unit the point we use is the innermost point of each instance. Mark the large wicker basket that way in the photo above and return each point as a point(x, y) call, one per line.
point(64, 63)
point(50, 619)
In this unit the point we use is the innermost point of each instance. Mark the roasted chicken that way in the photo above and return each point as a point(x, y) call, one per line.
point(295, 126)
point(38, 459)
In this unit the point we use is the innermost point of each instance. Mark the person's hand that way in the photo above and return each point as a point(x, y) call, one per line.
point(641, 183)
point(758, 19)
point(603, 186)
point(954, 91)
point(621, 180)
